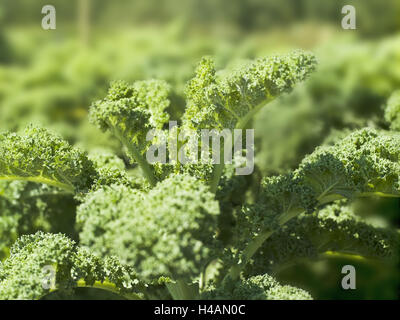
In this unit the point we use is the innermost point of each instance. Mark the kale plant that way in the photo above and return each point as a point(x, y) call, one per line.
point(181, 230)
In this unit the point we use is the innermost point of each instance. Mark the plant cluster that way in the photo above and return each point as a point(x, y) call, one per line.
point(188, 231)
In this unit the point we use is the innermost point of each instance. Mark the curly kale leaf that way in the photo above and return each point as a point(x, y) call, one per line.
point(366, 163)
point(261, 287)
point(216, 102)
point(40, 156)
point(23, 274)
point(129, 112)
point(168, 231)
point(334, 228)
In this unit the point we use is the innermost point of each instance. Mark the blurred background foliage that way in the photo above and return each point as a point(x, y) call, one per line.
point(51, 77)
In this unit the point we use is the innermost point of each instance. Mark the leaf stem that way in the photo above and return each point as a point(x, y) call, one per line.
point(241, 124)
point(110, 287)
point(134, 153)
point(180, 290)
point(216, 176)
point(257, 242)
point(64, 186)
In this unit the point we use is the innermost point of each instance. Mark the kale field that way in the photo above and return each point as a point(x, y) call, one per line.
point(84, 213)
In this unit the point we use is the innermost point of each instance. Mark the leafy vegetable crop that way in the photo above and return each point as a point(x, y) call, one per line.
point(188, 231)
